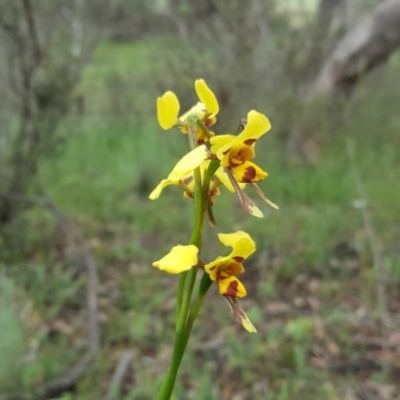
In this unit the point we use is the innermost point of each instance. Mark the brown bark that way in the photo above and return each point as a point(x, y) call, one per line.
point(369, 44)
point(322, 39)
point(363, 48)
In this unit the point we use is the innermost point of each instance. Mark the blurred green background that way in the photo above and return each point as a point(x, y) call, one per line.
point(79, 81)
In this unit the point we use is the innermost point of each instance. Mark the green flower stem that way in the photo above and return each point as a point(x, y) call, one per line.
point(204, 286)
point(198, 210)
point(187, 279)
point(212, 168)
point(179, 295)
point(181, 339)
point(205, 280)
point(185, 290)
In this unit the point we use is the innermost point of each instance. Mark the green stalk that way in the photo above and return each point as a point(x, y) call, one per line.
point(179, 295)
point(204, 286)
point(187, 280)
point(205, 280)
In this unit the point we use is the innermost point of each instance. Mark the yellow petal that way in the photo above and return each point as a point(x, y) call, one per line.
point(257, 125)
point(224, 178)
point(189, 162)
point(155, 194)
point(206, 96)
point(179, 259)
point(249, 172)
point(220, 141)
point(168, 110)
point(243, 249)
point(232, 287)
point(230, 239)
point(241, 242)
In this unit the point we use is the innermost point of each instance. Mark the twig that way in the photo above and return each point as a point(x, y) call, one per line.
point(374, 245)
point(119, 374)
point(67, 381)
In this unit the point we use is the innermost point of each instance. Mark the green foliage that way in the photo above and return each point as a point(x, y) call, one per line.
point(30, 355)
point(299, 328)
point(51, 289)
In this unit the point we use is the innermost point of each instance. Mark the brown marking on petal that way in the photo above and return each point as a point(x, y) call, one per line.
point(208, 122)
point(200, 141)
point(238, 259)
point(226, 152)
point(187, 180)
point(249, 142)
point(232, 289)
point(249, 175)
point(212, 268)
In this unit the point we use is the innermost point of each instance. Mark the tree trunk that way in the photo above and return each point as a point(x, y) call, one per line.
point(363, 48)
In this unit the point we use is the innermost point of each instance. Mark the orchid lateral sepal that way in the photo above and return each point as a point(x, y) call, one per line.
point(247, 203)
point(239, 314)
point(262, 195)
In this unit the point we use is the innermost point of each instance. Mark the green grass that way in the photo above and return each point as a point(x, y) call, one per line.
point(112, 161)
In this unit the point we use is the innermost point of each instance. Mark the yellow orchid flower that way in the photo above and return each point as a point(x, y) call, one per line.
point(189, 182)
point(179, 259)
point(223, 270)
point(186, 183)
point(205, 110)
point(182, 171)
point(206, 96)
point(235, 153)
